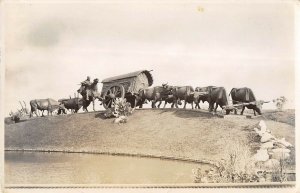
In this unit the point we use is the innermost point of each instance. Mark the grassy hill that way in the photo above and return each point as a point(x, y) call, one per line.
point(159, 132)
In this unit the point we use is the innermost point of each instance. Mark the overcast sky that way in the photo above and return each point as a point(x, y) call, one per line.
point(51, 48)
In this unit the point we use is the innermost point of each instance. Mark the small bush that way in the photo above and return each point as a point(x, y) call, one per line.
point(16, 117)
point(237, 166)
point(120, 109)
point(291, 161)
point(279, 172)
point(280, 102)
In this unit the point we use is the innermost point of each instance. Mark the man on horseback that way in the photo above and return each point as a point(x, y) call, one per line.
point(89, 92)
point(87, 84)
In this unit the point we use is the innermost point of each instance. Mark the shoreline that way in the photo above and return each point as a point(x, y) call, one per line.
point(138, 155)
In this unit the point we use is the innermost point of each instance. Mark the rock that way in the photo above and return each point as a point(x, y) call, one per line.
point(258, 131)
point(271, 164)
point(267, 145)
point(121, 119)
point(261, 155)
point(278, 145)
point(280, 156)
point(263, 126)
point(284, 142)
point(281, 150)
point(266, 137)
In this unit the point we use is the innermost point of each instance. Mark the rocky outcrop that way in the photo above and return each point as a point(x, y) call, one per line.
point(271, 148)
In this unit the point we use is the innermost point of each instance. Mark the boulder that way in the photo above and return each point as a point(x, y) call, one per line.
point(267, 145)
point(263, 126)
point(121, 119)
point(266, 137)
point(261, 155)
point(258, 131)
point(284, 142)
point(281, 150)
point(278, 145)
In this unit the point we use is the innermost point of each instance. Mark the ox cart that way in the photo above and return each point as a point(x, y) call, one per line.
point(125, 86)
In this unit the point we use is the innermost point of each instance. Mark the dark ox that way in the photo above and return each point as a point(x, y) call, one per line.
point(155, 94)
point(185, 93)
point(245, 95)
point(73, 104)
point(45, 104)
point(169, 100)
point(201, 94)
point(218, 96)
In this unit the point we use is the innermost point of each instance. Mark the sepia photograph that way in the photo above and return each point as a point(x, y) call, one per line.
point(149, 94)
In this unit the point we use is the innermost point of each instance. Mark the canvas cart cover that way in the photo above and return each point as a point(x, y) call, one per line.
point(130, 75)
point(132, 82)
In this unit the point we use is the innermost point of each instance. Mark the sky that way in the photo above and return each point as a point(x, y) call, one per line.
point(51, 47)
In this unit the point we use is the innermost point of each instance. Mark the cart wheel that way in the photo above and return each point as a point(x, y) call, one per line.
point(111, 95)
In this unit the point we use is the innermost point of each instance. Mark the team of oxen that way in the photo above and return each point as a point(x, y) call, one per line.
point(213, 95)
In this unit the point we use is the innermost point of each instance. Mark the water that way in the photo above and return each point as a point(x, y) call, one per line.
point(77, 168)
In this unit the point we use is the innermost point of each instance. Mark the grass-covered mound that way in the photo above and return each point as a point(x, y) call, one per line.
point(160, 132)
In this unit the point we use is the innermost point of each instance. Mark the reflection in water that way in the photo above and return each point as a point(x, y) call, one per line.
point(77, 168)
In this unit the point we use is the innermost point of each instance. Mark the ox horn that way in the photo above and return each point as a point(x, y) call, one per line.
point(21, 104)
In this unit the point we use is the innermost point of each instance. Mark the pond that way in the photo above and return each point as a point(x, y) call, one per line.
point(82, 168)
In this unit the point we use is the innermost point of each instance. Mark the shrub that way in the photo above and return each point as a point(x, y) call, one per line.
point(280, 102)
point(16, 117)
point(278, 173)
point(237, 166)
point(120, 109)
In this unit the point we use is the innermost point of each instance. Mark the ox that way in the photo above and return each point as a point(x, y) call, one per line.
point(201, 94)
point(169, 99)
point(155, 94)
point(185, 93)
point(218, 96)
point(45, 104)
point(73, 104)
point(245, 95)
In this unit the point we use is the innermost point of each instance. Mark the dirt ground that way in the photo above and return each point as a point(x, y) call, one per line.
point(160, 132)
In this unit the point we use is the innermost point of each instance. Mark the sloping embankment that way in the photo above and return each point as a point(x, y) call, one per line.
point(167, 133)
